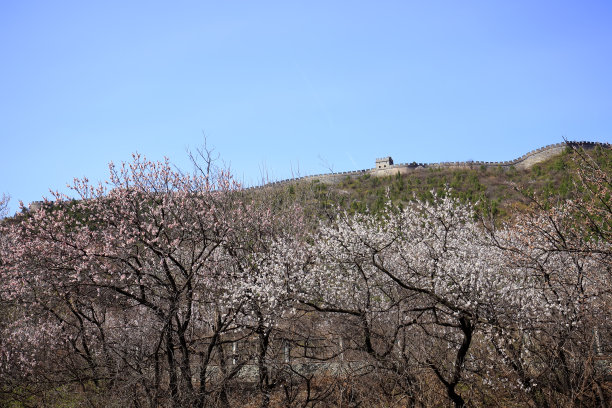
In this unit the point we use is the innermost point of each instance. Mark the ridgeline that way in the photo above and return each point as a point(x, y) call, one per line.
point(498, 187)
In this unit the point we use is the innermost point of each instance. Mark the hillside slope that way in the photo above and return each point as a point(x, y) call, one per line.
point(499, 187)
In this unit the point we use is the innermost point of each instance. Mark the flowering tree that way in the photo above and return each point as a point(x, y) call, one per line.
point(416, 285)
point(593, 201)
point(557, 351)
point(258, 282)
point(134, 278)
point(550, 346)
point(429, 287)
point(160, 287)
point(4, 205)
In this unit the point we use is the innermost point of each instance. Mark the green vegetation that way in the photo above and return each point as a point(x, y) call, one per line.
point(500, 191)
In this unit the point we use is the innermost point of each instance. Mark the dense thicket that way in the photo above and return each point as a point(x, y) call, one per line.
point(161, 288)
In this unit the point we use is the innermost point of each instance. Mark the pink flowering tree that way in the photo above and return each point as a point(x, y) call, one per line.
point(127, 286)
point(4, 200)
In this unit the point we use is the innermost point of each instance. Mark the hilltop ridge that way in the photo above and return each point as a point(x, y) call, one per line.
point(526, 161)
point(502, 187)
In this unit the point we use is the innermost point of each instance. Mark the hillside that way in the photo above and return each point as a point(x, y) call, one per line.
point(499, 187)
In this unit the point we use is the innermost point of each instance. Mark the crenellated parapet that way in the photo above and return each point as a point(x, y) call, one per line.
point(385, 166)
point(526, 161)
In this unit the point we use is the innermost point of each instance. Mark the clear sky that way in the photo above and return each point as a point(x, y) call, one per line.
point(294, 86)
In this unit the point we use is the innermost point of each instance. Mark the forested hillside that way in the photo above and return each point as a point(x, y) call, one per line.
point(476, 287)
point(499, 190)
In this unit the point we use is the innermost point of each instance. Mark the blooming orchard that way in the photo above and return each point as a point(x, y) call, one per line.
point(167, 289)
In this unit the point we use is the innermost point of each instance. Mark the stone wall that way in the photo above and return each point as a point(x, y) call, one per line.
point(526, 161)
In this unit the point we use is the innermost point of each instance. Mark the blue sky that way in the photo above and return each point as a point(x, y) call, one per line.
point(294, 86)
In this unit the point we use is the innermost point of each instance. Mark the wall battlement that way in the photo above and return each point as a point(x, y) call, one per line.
point(385, 167)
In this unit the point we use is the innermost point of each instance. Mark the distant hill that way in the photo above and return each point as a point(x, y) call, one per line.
point(501, 187)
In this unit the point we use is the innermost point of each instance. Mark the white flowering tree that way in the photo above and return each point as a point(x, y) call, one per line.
point(416, 286)
point(259, 283)
point(554, 348)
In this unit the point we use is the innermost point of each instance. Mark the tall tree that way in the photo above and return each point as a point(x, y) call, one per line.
point(131, 280)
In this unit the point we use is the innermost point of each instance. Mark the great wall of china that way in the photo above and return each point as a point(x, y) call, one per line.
point(524, 162)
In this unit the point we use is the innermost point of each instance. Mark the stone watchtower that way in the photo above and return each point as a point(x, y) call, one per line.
point(384, 162)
